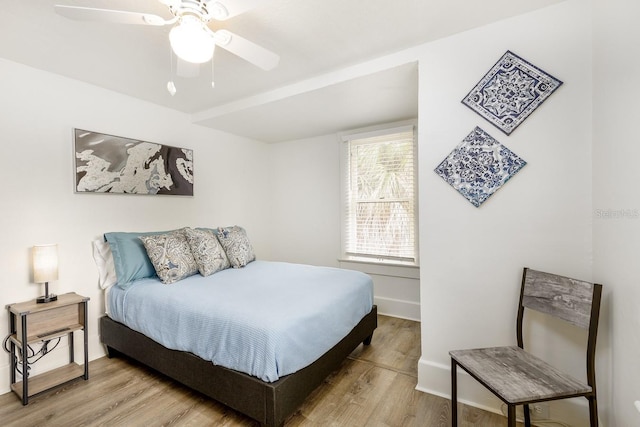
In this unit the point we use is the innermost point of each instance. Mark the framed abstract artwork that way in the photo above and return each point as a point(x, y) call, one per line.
point(479, 166)
point(113, 164)
point(510, 91)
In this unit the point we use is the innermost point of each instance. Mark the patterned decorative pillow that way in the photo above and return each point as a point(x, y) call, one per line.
point(170, 255)
point(207, 251)
point(236, 244)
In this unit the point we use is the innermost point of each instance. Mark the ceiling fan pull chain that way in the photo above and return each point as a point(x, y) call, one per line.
point(213, 81)
point(171, 87)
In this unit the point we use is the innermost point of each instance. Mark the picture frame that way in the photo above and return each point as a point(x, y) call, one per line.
point(118, 165)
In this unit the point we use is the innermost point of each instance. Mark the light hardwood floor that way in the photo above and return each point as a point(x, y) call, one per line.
point(375, 386)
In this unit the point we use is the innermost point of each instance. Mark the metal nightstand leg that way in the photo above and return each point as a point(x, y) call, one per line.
point(86, 341)
point(25, 366)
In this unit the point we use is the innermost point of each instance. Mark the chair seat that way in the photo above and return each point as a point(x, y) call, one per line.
point(516, 376)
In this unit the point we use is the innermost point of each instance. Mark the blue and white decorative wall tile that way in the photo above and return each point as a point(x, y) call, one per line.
point(510, 91)
point(479, 166)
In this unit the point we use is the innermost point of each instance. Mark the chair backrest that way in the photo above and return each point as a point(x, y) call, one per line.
point(568, 299)
point(575, 301)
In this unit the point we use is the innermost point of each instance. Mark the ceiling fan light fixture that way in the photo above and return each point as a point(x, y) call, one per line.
point(191, 41)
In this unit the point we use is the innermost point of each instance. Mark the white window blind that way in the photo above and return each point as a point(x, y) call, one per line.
point(380, 205)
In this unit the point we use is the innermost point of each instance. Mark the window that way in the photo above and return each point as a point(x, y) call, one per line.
point(380, 196)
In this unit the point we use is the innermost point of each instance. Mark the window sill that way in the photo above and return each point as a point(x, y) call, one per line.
point(382, 268)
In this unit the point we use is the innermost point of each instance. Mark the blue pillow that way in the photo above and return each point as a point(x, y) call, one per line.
point(130, 256)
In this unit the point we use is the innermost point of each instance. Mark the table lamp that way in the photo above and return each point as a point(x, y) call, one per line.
point(45, 269)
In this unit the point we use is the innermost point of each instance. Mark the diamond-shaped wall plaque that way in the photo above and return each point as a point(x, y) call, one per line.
point(479, 166)
point(510, 91)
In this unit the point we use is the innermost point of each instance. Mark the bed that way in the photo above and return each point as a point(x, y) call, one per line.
point(280, 329)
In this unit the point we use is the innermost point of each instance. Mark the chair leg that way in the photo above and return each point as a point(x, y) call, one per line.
point(593, 410)
point(511, 416)
point(454, 394)
point(527, 415)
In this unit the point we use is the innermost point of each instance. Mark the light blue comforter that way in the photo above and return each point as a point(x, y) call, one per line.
point(268, 319)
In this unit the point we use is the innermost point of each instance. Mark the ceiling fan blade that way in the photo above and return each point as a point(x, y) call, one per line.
point(225, 9)
point(246, 50)
point(107, 15)
point(187, 69)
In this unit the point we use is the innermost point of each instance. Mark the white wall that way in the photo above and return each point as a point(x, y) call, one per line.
point(38, 204)
point(616, 230)
point(472, 258)
point(305, 200)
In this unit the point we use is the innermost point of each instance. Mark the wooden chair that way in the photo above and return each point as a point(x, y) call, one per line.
point(517, 377)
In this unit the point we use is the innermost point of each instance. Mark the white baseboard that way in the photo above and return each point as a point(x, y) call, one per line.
point(435, 378)
point(398, 308)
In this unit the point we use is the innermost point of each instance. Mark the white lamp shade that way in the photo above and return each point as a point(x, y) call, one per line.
point(191, 41)
point(45, 263)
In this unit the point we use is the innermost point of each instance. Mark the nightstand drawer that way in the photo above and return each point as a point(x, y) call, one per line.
point(51, 323)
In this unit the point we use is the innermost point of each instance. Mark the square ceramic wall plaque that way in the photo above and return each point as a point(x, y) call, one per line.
point(510, 91)
point(479, 166)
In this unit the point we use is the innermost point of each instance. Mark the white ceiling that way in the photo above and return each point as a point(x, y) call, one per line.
point(314, 38)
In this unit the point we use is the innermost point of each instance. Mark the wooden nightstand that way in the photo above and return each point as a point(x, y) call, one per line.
point(31, 323)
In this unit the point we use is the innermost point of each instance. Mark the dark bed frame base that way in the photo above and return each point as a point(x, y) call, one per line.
point(268, 403)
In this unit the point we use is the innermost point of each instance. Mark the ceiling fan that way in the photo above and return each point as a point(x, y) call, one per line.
point(190, 37)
